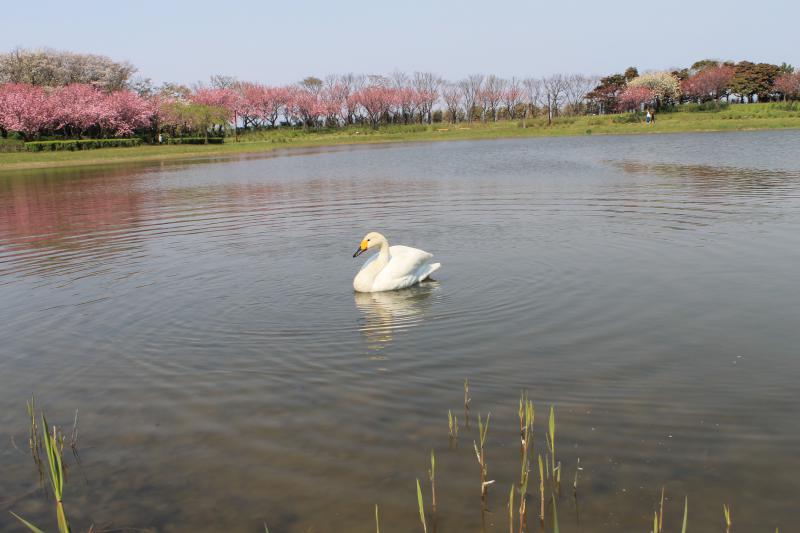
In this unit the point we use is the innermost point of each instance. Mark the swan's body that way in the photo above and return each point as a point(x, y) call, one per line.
point(393, 267)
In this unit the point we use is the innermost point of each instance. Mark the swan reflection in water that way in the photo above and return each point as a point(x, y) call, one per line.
point(386, 313)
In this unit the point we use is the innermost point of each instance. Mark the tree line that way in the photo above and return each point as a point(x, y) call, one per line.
point(46, 93)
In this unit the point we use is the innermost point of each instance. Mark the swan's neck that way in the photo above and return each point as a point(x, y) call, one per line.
point(366, 276)
point(383, 254)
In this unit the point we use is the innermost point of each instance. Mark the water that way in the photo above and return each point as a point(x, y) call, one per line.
point(201, 318)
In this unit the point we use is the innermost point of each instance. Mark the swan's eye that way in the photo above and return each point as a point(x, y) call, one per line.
point(367, 240)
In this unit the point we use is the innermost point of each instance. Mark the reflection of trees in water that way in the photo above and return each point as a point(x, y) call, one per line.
point(77, 217)
point(386, 313)
point(717, 179)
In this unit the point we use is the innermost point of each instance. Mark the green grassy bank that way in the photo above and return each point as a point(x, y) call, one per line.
point(733, 118)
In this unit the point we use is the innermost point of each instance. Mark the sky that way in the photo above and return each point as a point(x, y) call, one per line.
point(283, 41)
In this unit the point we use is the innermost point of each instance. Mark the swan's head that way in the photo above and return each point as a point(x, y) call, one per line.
point(370, 240)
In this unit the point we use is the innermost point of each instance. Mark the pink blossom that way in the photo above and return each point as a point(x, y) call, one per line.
point(24, 108)
point(633, 97)
point(126, 112)
point(376, 101)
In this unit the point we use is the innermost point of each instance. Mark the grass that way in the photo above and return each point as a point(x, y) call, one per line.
point(732, 118)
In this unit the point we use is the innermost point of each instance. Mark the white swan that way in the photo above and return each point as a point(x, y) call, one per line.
point(392, 268)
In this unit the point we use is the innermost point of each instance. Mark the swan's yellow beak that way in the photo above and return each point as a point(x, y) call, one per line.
point(361, 249)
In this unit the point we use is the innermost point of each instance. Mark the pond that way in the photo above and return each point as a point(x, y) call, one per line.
point(200, 317)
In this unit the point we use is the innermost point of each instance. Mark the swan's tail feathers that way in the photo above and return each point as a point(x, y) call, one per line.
point(427, 270)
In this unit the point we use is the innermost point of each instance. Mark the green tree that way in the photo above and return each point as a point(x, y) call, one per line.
point(754, 79)
point(631, 73)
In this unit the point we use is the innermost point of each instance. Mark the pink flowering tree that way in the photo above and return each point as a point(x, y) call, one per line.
point(24, 108)
point(126, 112)
point(376, 100)
point(788, 85)
point(307, 106)
point(79, 108)
point(334, 99)
point(708, 84)
point(221, 106)
point(633, 98)
point(512, 97)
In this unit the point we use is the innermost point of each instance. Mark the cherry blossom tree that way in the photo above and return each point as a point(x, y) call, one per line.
point(711, 83)
point(24, 108)
point(307, 105)
point(632, 98)
point(427, 85)
point(376, 100)
point(664, 86)
point(788, 85)
point(225, 98)
point(78, 108)
point(126, 111)
point(491, 95)
point(512, 97)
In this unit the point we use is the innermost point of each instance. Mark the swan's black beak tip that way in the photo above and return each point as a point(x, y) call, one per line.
point(358, 252)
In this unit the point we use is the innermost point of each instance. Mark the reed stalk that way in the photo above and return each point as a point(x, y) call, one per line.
point(377, 520)
point(727, 512)
point(541, 490)
point(685, 514)
point(467, 401)
point(421, 508)
point(452, 425)
point(511, 509)
point(480, 454)
point(432, 478)
point(526, 419)
point(54, 449)
point(555, 515)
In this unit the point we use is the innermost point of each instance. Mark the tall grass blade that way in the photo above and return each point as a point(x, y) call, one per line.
point(555, 517)
point(26, 523)
point(432, 477)
point(685, 514)
point(511, 510)
point(377, 520)
point(421, 508)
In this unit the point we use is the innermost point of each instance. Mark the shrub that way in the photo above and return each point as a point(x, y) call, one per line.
point(786, 106)
point(704, 107)
point(194, 140)
point(83, 144)
point(627, 118)
point(11, 145)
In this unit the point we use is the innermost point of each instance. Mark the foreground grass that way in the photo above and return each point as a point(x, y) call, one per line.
point(733, 118)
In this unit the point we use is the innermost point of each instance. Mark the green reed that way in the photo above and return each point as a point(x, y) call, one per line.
point(726, 511)
point(432, 477)
point(480, 454)
point(421, 508)
point(54, 450)
point(452, 425)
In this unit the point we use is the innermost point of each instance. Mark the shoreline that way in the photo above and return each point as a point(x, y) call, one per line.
point(276, 141)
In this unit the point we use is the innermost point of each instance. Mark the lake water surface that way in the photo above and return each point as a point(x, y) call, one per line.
point(201, 318)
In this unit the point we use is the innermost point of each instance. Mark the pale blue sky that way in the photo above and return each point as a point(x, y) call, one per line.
point(282, 41)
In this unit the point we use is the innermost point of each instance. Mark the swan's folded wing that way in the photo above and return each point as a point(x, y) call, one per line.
point(403, 266)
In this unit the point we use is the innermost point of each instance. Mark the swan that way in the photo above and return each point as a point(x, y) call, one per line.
point(393, 267)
